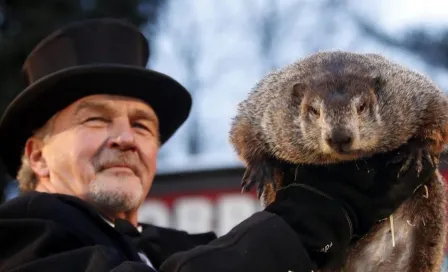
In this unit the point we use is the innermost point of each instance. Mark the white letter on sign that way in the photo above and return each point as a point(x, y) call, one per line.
point(193, 214)
point(154, 212)
point(232, 209)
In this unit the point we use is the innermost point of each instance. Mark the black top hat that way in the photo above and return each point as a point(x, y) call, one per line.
point(96, 56)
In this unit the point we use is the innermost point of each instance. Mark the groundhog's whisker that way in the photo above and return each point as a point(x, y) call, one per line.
point(295, 173)
point(391, 218)
point(426, 195)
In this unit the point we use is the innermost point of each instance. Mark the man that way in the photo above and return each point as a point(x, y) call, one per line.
point(89, 126)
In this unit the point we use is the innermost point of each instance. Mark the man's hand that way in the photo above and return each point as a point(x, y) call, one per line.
point(329, 205)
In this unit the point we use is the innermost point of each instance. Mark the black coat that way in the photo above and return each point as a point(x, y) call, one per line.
point(50, 232)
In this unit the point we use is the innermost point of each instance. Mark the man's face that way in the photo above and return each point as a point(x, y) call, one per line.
point(102, 149)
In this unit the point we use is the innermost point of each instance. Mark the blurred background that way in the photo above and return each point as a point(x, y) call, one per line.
point(219, 50)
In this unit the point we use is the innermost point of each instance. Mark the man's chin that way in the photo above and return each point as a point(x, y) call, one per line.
point(115, 197)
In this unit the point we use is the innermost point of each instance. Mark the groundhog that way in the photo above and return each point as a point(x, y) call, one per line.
point(334, 107)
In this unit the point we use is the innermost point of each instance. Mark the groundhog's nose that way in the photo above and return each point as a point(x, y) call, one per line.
point(340, 140)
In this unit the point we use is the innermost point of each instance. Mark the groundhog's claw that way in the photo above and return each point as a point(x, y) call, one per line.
point(415, 156)
point(260, 173)
point(430, 159)
point(248, 180)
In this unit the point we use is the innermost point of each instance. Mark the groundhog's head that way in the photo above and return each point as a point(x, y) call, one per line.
point(333, 119)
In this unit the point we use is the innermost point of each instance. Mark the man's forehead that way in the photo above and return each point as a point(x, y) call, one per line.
point(111, 102)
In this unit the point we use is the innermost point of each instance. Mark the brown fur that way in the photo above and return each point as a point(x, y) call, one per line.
point(381, 105)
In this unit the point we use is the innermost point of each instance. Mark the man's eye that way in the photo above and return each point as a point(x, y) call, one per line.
point(96, 119)
point(140, 125)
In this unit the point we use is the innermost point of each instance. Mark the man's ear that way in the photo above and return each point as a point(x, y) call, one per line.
point(33, 149)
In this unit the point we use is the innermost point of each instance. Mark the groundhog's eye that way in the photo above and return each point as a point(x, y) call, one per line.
point(313, 111)
point(362, 108)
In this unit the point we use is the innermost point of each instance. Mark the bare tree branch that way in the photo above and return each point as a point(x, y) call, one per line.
point(432, 50)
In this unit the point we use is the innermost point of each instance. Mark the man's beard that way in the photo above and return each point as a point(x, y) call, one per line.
point(116, 201)
point(103, 194)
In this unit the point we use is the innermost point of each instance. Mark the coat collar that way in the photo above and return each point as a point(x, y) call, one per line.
point(158, 243)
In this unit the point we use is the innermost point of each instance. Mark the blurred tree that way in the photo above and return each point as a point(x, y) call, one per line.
point(265, 22)
point(23, 23)
point(431, 48)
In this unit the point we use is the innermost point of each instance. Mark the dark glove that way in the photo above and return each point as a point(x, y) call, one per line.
point(330, 205)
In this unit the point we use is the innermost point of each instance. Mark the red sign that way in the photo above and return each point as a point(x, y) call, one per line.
point(218, 211)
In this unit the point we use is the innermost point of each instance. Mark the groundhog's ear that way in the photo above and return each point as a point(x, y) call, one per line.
point(378, 84)
point(297, 92)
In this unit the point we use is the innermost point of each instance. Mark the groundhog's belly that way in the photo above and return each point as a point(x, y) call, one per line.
point(380, 254)
point(419, 234)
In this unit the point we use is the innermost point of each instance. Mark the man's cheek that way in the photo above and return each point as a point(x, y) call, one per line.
point(90, 173)
point(58, 163)
point(150, 158)
point(85, 169)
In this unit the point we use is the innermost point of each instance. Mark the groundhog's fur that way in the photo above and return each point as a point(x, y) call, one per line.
point(339, 106)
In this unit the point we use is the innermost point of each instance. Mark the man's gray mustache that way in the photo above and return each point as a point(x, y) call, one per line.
point(109, 159)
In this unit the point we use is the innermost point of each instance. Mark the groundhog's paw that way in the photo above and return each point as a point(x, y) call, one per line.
point(413, 155)
point(261, 173)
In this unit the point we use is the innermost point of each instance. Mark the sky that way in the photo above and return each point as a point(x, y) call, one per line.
point(397, 15)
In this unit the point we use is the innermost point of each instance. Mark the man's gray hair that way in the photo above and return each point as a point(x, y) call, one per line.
point(26, 177)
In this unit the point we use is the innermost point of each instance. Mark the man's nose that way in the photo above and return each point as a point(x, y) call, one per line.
point(122, 136)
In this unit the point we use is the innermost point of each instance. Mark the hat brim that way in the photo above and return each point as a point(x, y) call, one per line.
point(41, 100)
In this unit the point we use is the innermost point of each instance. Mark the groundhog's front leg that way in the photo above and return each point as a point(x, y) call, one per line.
point(259, 171)
point(416, 150)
